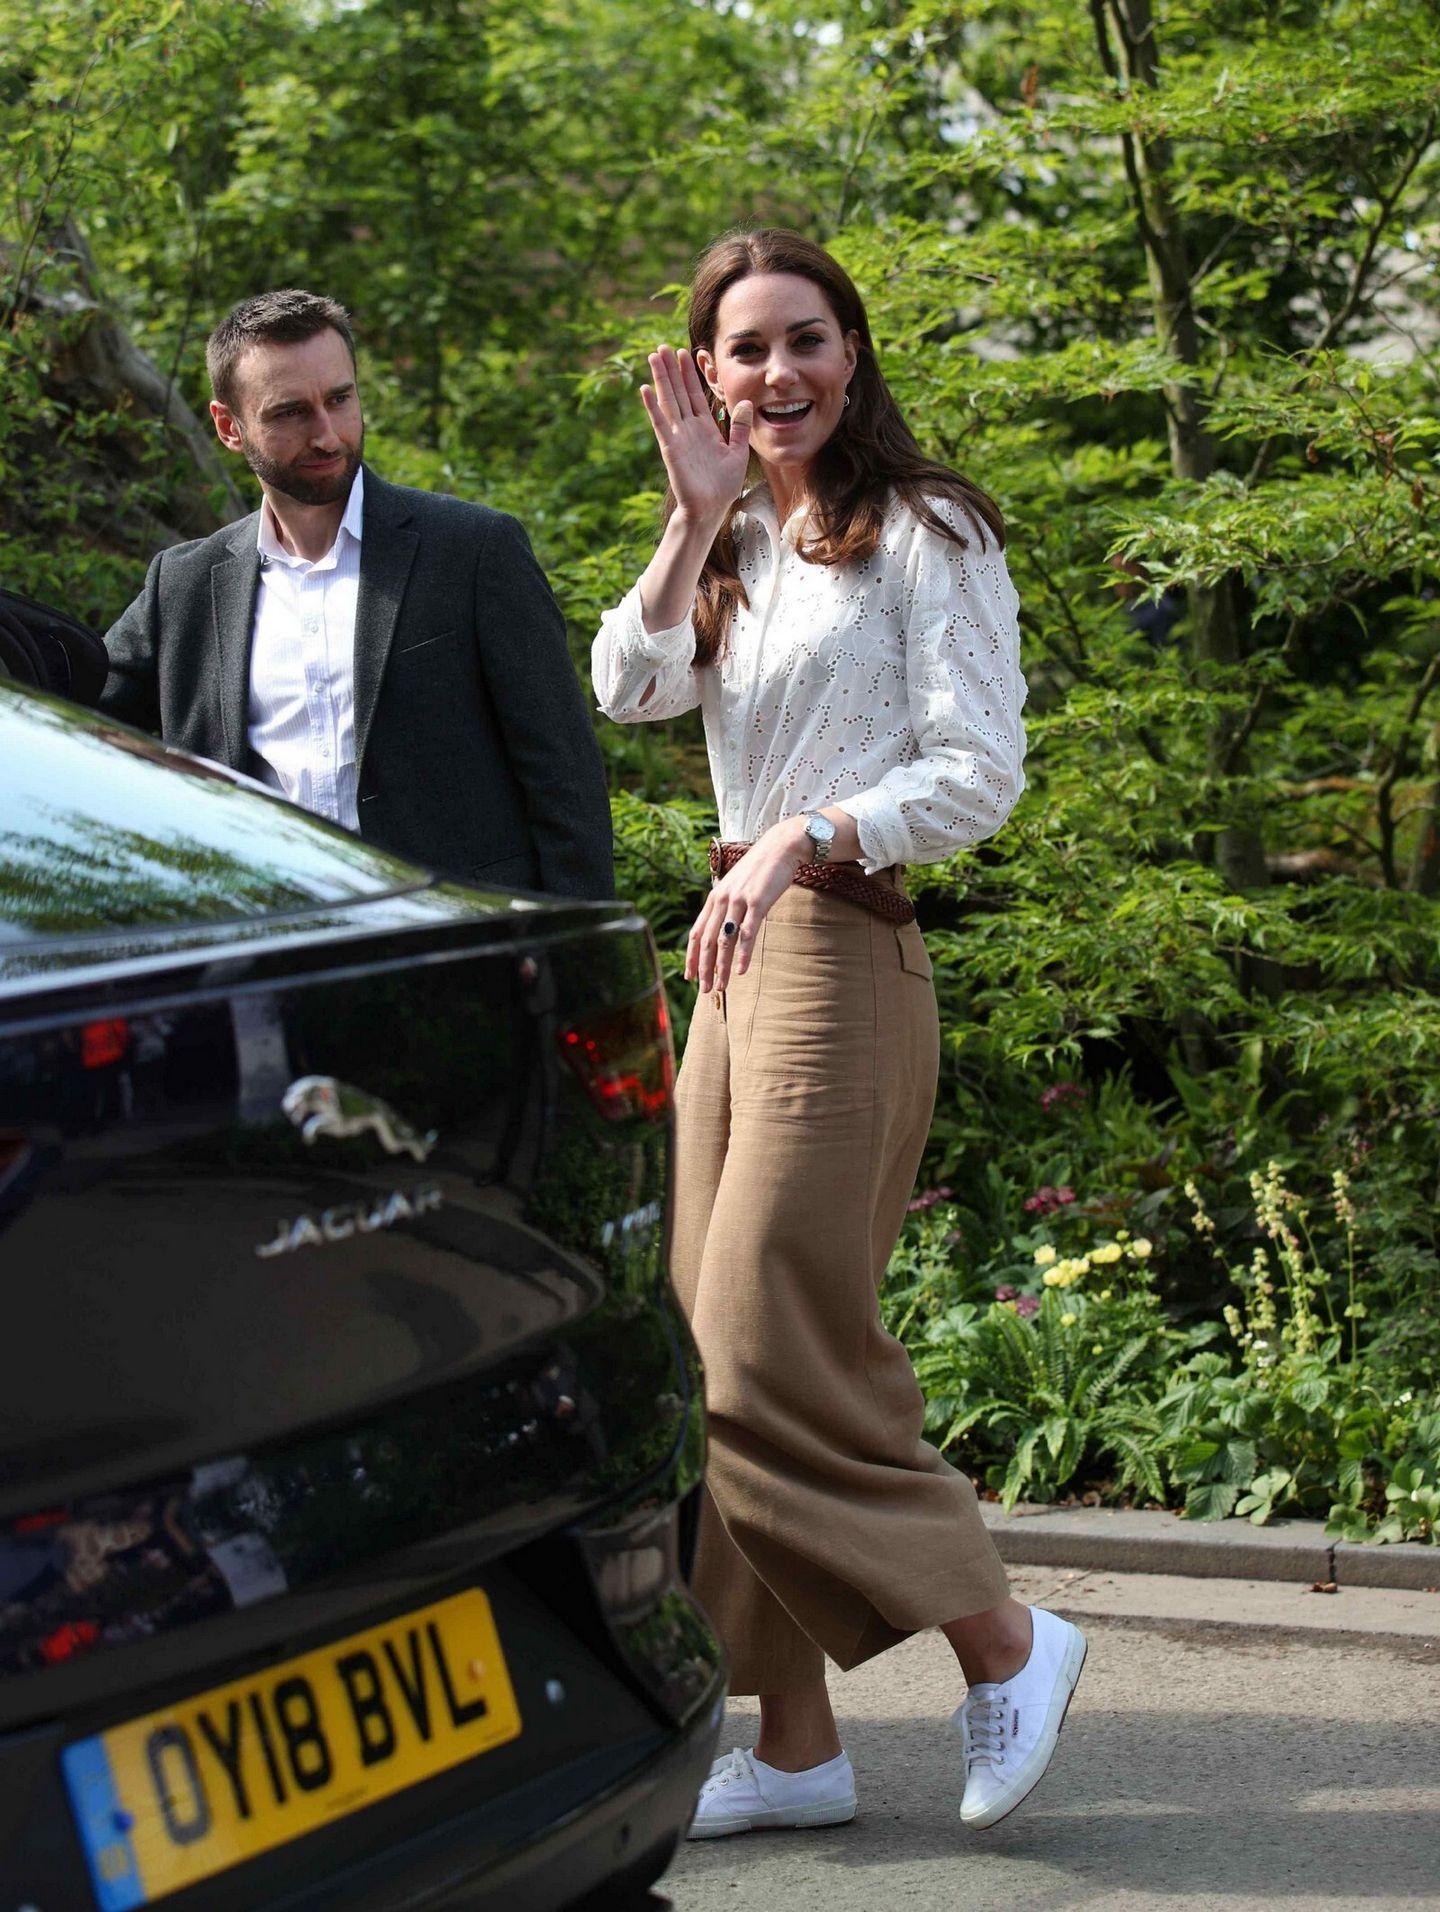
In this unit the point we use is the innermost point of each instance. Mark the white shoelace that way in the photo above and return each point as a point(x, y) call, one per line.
point(985, 1731)
point(737, 1766)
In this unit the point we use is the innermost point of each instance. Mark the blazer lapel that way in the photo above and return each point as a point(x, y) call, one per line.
point(388, 544)
point(234, 582)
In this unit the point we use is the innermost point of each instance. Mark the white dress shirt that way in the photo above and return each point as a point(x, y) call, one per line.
point(301, 716)
point(891, 689)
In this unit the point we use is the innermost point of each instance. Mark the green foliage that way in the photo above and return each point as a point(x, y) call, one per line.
point(1064, 1389)
point(1070, 1374)
point(1212, 922)
point(661, 862)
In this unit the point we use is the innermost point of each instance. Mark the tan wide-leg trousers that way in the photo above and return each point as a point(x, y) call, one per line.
point(830, 1526)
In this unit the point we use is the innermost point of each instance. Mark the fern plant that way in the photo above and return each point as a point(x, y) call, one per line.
point(1070, 1389)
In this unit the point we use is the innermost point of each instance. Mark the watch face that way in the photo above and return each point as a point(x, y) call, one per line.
point(820, 830)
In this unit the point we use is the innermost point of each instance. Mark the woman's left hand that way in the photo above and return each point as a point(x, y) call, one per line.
point(745, 897)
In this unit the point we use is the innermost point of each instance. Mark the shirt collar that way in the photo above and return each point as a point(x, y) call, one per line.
point(759, 503)
point(268, 536)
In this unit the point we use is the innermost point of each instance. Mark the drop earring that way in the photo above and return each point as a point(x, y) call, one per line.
point(720, 413)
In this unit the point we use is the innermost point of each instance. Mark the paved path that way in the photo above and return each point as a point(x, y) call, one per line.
point(1201, 1766)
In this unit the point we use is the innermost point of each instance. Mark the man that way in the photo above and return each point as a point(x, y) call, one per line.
point(391, 659)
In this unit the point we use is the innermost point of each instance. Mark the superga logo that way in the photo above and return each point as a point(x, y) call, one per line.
point(350, 1218)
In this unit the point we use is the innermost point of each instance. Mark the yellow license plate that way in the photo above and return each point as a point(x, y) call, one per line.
point(205, 1784)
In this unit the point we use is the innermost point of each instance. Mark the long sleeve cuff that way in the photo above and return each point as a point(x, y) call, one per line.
point(884, 837)
point(626, 658)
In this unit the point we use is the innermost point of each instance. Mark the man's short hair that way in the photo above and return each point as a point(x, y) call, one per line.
point(287, 317)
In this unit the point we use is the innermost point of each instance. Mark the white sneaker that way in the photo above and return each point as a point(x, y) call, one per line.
point(1010, 1727)
point(743, 1794)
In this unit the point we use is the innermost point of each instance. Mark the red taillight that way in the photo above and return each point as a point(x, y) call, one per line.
point(625, 1059)
point(102, 1043)
point(37, 1523)
point(68, 1639)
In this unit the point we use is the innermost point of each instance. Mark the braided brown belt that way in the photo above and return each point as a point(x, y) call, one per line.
point(845, 880)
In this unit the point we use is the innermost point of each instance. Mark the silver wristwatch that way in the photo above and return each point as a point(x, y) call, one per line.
point(821, 832)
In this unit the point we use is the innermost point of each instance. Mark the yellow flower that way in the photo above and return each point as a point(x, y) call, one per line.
point(1068, 1320)
point(1098, 1348)
point(1065, 1273)
point(1141, 1247)
point(1044, 1255)
point(1107, 1251)
point(1105, 1293)
point(1122, 1234)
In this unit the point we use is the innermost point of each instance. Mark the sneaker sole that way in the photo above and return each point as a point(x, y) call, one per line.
point(783, 1819)
point(1074, 1666)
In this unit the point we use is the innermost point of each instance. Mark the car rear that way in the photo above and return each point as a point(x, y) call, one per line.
point(349, 1433)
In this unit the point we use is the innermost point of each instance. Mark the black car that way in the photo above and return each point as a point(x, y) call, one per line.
point(349, 1434)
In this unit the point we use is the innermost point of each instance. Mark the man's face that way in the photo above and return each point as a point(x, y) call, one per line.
point(296, 420)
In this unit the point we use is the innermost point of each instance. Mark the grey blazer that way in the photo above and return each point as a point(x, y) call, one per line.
point(474, 745)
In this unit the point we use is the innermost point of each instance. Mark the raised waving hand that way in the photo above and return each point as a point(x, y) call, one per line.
point(706, 470)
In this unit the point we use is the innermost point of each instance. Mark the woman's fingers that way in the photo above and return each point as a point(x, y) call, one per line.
point(712, 957)
point(705, 472)
point(741, 419)
point(694, 386)
point(672, 370)
point(696, 937)
point(721, 911)
point(651, 402)
point(736, 936)
point(664, 387)
point(708, 932)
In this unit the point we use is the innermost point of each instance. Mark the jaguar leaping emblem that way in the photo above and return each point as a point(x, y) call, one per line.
point(319, 1105)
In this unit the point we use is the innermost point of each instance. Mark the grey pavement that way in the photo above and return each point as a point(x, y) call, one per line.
point(1232, 1744)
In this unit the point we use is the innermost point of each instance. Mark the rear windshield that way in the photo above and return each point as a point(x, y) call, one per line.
point(101, 828)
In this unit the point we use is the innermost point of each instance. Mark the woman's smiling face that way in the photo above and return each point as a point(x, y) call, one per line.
point(779, 344)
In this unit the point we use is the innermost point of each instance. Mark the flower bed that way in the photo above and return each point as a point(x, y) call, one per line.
point(1053, 1367)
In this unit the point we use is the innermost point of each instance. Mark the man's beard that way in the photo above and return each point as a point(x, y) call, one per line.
point(328, 489)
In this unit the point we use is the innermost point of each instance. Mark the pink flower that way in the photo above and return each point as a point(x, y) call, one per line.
point(928, 1197)
point(1026, 1306)
point(1060, 1093)
point(1046, 1200)
point(1005, 1292)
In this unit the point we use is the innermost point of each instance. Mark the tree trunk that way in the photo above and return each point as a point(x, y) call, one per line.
point(1130, 56)
point(100, 367)
point(1424, 874)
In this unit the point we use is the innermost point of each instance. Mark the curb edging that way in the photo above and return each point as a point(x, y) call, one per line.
point(1122, 1540)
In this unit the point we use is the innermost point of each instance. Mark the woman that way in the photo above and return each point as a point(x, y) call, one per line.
point(849, 630)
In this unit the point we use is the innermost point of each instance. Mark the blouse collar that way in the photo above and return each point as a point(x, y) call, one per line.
point(758, 502)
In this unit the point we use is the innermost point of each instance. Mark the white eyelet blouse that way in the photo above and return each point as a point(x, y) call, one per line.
point(891, 688)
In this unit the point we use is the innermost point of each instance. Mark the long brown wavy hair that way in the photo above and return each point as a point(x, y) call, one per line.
point(870, 458)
